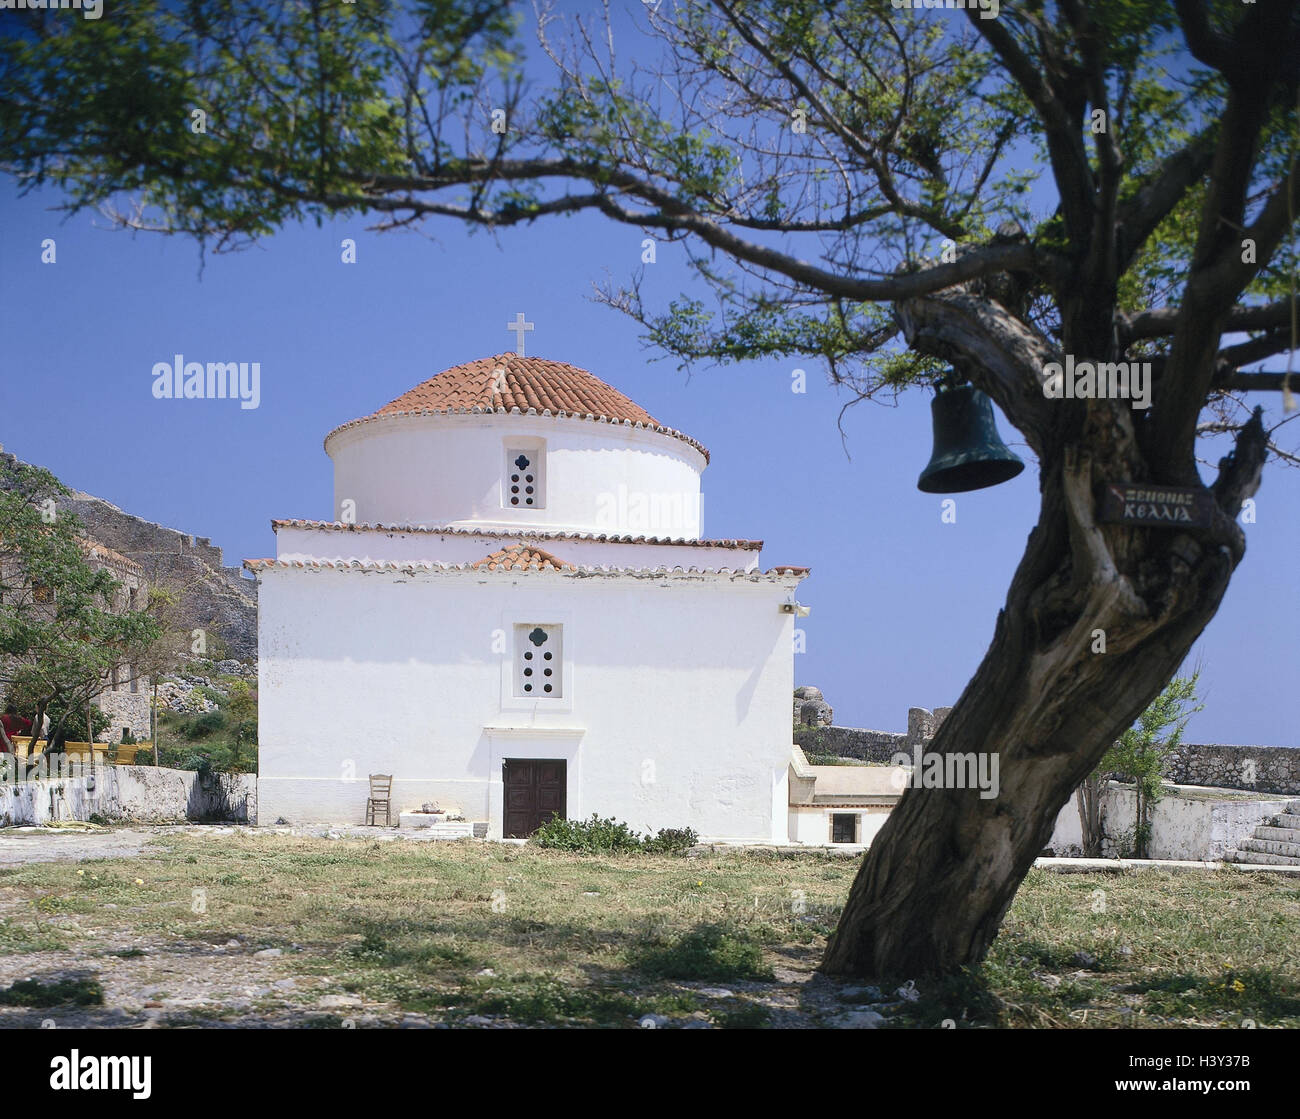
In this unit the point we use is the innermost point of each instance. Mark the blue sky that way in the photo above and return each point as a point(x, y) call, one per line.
point(903, 604)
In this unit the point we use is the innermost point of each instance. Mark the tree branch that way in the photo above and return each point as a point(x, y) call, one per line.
point(1065, 148)
point(1002, 355)
point(1161, 322)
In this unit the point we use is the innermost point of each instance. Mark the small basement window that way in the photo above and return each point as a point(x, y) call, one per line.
point(844, 827)
point(524, 485)
point(538, 661)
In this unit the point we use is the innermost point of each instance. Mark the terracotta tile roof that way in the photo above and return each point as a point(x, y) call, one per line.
point(480, 566)
point(524, 382)
point(531, 534)
point(521, 557)
point(525, 385)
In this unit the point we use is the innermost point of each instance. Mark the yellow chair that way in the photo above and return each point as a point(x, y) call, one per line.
point(125, 754)
point(88, 753)
point(23, 746)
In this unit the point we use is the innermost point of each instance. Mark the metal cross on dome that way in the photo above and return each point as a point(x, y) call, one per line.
point(519, 327)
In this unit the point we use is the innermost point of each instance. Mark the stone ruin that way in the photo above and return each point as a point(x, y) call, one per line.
point(811, 708)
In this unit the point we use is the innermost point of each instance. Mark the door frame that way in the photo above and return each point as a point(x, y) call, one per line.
point(532, 744)
point(517, 761)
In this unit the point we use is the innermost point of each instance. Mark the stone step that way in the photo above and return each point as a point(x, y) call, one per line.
point(1260, 857)
point(1270, 846)
point(1292, 806)
point(451, 830)
point(1282, 835)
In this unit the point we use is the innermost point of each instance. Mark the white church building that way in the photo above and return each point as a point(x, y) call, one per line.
point(513, 612)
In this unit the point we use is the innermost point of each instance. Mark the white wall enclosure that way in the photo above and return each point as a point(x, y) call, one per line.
point(586, 653)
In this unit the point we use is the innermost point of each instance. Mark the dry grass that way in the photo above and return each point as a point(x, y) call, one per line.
point(455, 930)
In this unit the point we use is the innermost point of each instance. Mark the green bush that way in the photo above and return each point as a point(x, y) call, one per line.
point(205, 725)
point(668, 841)
point(604, 837)
point(62, 992)
point(714, 953)
point(74, 725)
point(591, 837)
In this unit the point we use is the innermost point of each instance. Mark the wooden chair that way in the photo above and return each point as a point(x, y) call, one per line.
point(381, 791)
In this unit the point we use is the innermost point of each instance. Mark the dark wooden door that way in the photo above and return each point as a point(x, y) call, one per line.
point(535, 791)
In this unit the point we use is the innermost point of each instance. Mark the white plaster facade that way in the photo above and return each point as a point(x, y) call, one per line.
point(861, 795)
point(388, 646)
point(597, 477)
point(1188, 822)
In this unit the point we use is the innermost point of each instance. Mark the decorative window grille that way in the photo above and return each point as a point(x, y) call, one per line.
point(539, 661)
point(523, 487)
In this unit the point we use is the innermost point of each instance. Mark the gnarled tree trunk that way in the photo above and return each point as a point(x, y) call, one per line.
point(1046, 705)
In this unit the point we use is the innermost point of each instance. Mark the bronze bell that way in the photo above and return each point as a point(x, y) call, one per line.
point(968, 452)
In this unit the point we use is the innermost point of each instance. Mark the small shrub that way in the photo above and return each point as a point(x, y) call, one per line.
point(62, 992)
point(593, 837)
point(205, 725)
point(671, 840)
point(710, 952)
point(750, 1016)
point(598, 836)
point(372, 947)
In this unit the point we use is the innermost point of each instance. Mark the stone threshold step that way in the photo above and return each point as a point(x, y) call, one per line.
point(1270, 847)
point(1279, 835)
point(1241, 858)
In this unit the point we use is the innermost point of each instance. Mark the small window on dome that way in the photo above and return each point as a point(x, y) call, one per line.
point(523, 485)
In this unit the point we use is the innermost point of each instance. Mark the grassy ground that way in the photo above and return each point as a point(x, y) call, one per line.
point(214, 740)
point(467, 931)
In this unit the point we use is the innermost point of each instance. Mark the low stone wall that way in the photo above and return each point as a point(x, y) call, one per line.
point(1257, 769)
point(850, 742)
point(1253, 769)
point(872, 745)
point(130, 794)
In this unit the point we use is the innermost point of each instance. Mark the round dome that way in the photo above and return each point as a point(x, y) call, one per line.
point(518, 442)
point(505, 382)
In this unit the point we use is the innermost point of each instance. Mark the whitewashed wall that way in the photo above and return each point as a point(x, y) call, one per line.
point(448, 470)
point(677, 712)
point(127, 794)
point(812, 823)
point(1194, 828)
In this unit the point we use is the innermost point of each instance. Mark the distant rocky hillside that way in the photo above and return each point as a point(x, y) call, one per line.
point(215, 597)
